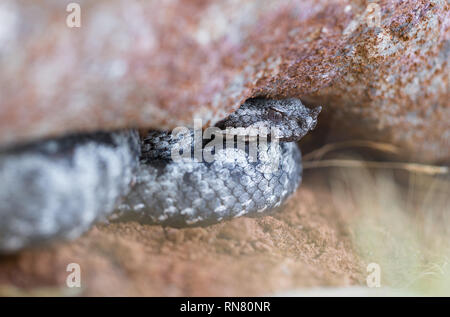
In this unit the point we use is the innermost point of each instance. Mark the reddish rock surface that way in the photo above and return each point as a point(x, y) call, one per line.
point(159, 64)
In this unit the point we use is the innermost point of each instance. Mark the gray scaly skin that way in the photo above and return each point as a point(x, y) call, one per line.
point(288, 116)
point(57, 189)
point(191, 193)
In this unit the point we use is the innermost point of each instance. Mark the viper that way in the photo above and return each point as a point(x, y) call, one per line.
point(57, 188)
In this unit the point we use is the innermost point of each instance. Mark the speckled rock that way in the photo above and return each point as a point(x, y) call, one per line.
point(159, 64)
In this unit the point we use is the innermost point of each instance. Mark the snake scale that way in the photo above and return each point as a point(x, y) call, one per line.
point(57, 188)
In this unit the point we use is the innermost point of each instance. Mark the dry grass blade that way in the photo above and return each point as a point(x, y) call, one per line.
point(319, 153)
point(410, 167)
point(404, 228)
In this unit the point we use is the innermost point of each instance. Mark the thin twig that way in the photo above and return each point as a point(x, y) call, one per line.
point(319, 153)
point(410, 167)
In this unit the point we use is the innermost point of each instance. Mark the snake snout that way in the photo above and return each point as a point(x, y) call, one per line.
point(309, 122)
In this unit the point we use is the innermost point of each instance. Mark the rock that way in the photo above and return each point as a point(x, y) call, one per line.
point(159, 65)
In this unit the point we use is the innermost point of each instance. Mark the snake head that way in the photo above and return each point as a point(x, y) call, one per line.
point(287, 119)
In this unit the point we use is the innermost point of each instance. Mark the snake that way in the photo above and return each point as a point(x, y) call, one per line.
point(248, 164)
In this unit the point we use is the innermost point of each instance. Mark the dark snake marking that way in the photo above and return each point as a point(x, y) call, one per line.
point(56, 189)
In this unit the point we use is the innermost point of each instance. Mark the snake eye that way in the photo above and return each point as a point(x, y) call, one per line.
point(275, 114)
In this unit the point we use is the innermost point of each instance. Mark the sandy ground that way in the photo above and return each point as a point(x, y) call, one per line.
point(319, 243)
point(305, 244)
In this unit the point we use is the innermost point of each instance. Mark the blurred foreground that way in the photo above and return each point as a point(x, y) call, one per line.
point(339, 221)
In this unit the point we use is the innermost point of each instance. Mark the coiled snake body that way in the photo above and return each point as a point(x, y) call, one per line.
point(59, 188)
